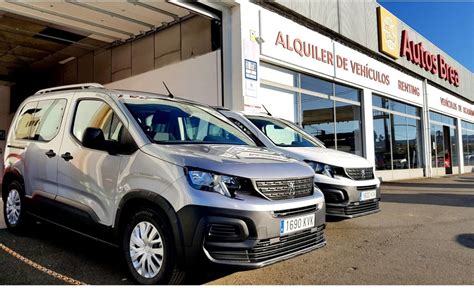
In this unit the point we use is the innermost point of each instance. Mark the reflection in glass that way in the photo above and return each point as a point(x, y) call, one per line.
point(383, 150)
point(348, 93)
point(439, 151)
point(318, 118)
point(348, 128)
point(454, 147)
point(414, 142)
point(316, 85)
point(400, 142)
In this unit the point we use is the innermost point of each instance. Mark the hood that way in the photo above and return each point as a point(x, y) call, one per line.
point(239, 160)
point(327, 156)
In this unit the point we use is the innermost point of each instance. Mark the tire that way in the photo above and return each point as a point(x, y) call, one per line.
point(14, 210)
point(158, 245)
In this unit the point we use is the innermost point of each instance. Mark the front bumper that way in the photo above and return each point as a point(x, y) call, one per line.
point(247, 239)
point(344, 201)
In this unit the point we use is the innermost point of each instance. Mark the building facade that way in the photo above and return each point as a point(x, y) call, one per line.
point(349, 72)
point(361, 81)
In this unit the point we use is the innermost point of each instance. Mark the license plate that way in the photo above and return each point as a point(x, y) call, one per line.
point(367, 195)
point(295, 224)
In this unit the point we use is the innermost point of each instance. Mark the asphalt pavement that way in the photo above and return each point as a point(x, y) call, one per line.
point(424, 235)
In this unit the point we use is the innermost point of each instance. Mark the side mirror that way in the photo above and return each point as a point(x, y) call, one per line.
point(94, 139)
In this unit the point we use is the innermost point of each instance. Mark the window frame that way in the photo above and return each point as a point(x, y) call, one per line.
point(37, 102)
point(73, 121)
point(392, 113)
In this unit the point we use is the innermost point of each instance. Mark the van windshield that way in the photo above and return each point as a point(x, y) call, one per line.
point(283, 133)
point(173, 122)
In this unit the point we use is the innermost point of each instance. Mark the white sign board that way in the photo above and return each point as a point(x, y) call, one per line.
point(360, 69)
point(446, 103)
point(287, 41)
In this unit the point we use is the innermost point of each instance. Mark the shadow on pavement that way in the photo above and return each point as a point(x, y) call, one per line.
point(442, 199)
point(82, 258)
point(430, 185)
point(466, 240)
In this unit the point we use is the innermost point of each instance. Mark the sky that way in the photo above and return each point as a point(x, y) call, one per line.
point(447, 24)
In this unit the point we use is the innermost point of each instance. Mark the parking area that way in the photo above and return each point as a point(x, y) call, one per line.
point(424, 235)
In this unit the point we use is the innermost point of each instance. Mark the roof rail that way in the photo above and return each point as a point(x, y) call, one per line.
point(69, 87)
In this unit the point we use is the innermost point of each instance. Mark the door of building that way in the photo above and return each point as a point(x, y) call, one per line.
point(448, 162)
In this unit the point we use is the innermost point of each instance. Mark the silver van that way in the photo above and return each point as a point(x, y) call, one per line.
point(347, 181)
point(167, 180)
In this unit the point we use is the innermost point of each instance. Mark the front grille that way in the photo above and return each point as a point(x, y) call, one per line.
point(362, 207)
point(360, 173)
point(369, 187)
point(295, 211)
point(286, 189)
point(270, 249)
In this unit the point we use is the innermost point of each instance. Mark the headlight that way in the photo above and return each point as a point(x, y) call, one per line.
point(213, 182)
point(323, 169)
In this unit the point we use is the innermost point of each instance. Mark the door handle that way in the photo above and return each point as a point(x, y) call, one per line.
point(67, 156)
point(50, 154)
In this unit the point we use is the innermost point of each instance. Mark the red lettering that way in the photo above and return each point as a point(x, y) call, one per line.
point(442, 67)
point(405, 46)
point(280, 40)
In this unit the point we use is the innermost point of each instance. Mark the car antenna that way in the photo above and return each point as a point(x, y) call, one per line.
point(169, 92)
point(268, 113)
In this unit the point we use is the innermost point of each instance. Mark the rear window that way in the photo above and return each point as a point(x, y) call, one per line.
point(40, 120)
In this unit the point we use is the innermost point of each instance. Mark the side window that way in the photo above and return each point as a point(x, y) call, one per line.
point(40, 120)
point(96, 114)
point(25, 121)
point(50, 115)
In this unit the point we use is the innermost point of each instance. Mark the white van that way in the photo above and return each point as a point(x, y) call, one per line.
point(348, 181)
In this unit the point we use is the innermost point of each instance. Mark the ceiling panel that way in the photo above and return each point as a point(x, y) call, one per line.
point(96, 31)
point(134, 11)
point(91, 15)
point(181, 12)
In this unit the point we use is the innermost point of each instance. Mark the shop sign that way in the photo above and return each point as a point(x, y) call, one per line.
point(361, 69)
point(289, 42)
point(435, 64)
point(388, 33)
point(446, 103)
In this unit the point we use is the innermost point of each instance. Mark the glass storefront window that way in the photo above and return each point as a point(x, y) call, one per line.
point(468, 143)
point(348, 128)
point(318, 118)
point(346, 92)
point(280, 102)
point(380, 102)
point(382, 140)
point(397, 134)
point(454, 147)
point(400, 143)
point(316, 85)
point(414, 142)
point(326, 110)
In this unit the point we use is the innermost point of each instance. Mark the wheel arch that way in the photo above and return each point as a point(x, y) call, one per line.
point(135, 199)
point(10, 175)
